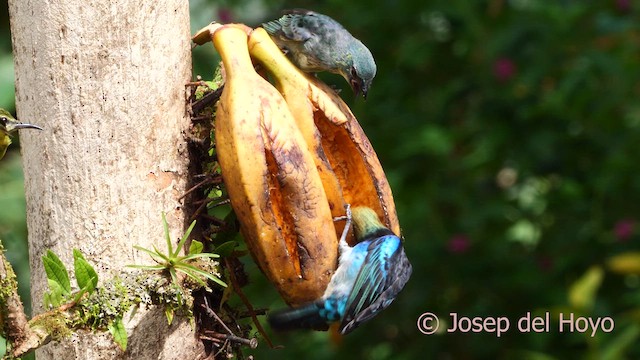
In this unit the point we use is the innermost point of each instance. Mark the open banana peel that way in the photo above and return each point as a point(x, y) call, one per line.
point(291, 157)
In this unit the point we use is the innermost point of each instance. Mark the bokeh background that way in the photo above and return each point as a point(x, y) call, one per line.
point(510, 133)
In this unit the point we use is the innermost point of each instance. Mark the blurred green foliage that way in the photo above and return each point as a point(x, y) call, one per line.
point(508, 130)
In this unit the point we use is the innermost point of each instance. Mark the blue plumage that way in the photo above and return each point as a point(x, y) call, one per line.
point(368, 278)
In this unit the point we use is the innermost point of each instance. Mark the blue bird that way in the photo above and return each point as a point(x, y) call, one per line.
point(368, 278)
point(316, 42)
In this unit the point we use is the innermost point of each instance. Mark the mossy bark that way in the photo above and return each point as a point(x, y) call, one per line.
point(106, 82)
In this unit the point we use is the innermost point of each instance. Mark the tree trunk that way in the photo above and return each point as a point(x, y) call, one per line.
point(105, 79)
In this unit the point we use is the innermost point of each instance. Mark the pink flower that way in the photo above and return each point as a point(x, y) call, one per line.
point(623, 5)
point(624, 229)
point(544, 262)
point(458, 244)
point(504, 69)
point(225, 16)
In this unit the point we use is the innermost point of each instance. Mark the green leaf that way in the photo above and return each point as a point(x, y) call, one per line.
point(617, 347)
point(77, 296)
point(47, 301)
point(3, 347)
point(183, 240)
point(119, 333)
point(525, 232)
point(226, 249)
point(240, 253)
point(168, 312)
point(194, 277)
point(196, 247)
point(165, 257)
point(174, 276)
point(230, 232)
point(55, 295)
point(154, 255)
point(86, 275)
point(196, 256)
point(582, 293)
point(194, 270)
point(218, 281)
point(165, 226)
point(56, 272)
point(77, 254)
point(148, 267)
point(134, 311)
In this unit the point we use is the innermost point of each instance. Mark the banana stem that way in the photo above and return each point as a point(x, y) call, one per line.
point(235, 58)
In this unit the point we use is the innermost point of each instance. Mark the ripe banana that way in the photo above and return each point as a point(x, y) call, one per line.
point(349, 167)
point(271, 177)
point(290, 162)
point(304, 98)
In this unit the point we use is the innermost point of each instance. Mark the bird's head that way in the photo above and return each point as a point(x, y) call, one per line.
point(361, 70)
point(367, 224)
point(9, 124)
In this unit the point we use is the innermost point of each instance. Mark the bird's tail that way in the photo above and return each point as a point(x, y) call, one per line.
point(310, 316)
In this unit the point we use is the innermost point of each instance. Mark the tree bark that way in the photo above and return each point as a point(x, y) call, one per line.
point(105, 79)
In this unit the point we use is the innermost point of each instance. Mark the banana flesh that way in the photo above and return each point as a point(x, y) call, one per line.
point(291, 159)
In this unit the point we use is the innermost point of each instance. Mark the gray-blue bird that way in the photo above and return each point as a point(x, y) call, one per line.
point(316, 42)
point(368, 278)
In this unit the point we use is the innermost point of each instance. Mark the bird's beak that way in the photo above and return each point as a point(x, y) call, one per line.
point(365, 90)
point(356, 86)
point(19, 126)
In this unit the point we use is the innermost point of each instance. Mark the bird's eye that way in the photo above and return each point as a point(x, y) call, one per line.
point(354, 73)
point(3, 120)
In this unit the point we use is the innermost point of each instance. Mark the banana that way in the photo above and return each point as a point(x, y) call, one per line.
point(304, 98)
point(290, 161)
point(272, 180)
point(349, 167)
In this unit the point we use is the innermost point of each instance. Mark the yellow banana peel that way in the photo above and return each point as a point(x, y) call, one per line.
point(271, 178)
point(333, 135)
point(291, 159)
point(305, 99)
point(296, 85)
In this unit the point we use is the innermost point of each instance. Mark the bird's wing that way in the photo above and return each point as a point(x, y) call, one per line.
point(298, 11)
point(292, 26)
point(384, 273)
point(315, 41)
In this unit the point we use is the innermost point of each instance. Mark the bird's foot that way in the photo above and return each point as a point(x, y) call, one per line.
point(347, 208)
point(345, 232)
